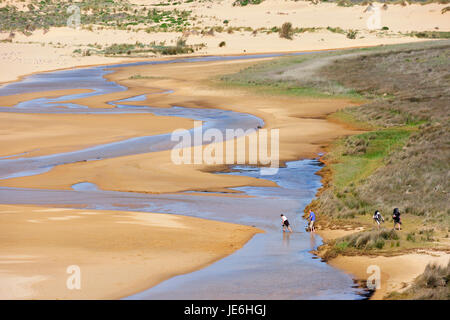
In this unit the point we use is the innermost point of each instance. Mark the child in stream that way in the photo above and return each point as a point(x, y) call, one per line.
point(285, 223)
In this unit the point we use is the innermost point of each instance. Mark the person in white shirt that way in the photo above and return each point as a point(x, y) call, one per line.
point(378, 218)
point(285, 223)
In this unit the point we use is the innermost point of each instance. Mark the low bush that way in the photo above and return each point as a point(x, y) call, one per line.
point(286, 31)
point(368, 239)
point(351, 34)
point(433, 284)
point(243, 3)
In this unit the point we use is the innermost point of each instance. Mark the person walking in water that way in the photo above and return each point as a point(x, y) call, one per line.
point(312, 220)
point(285, 223)
point(378, 218)
point(396, 218)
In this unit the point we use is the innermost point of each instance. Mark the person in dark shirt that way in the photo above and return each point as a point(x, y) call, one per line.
point(396, 218)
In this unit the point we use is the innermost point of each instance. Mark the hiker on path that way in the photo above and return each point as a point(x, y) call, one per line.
point(378, 218)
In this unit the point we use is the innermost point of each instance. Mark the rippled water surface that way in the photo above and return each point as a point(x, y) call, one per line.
point(272, 265)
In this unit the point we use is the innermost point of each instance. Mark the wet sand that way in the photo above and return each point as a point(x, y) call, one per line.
point(32, 135)
point(301, 121)
point(124, 238)
point(12, 100)
point(270, 265)
point(118, 252)
point(155, 173)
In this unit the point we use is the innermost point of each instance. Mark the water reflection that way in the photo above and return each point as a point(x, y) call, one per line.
point(286, 239)
point(312, 241)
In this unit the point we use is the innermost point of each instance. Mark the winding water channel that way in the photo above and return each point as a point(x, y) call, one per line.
point(272, 265)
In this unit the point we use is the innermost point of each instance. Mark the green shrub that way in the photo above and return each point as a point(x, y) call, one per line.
point(379, 244)
point(367, 239)
point(243, 3)
point(351, 34)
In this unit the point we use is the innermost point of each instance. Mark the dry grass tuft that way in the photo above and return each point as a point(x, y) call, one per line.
point(433, 284)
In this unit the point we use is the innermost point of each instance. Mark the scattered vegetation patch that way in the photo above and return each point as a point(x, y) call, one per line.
point(243, 3)
point(142, 50)
point(139, 77)
point(119, 14)
point(351, 34)
point(433, 284)
point(431, 34)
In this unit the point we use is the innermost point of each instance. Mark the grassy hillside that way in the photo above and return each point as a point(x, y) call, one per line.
point(412, 123)
point(402, 160)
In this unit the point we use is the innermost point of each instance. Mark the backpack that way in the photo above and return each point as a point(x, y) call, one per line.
point(376, 215)
point(396, 214)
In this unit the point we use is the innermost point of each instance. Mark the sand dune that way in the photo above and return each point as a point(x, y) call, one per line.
point(397, 272)
point(54, 49)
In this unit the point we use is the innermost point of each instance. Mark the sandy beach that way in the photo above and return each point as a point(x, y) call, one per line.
point(44, 134)
point(161, 175)
point(121, 253)
point(188, 81)
point(33, 135)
